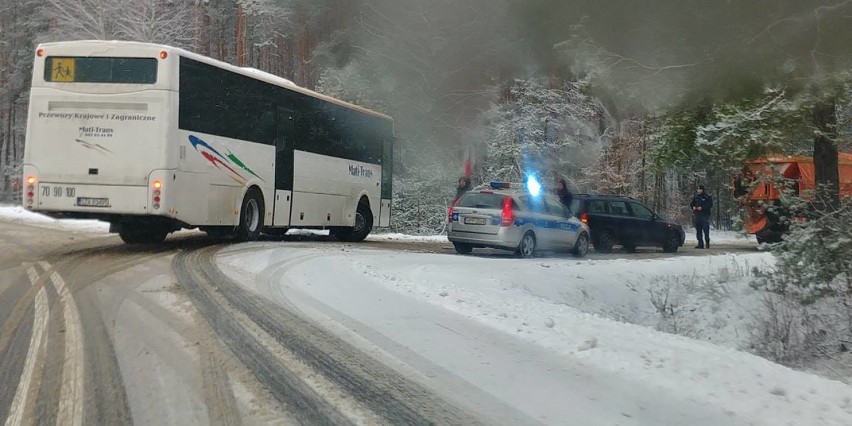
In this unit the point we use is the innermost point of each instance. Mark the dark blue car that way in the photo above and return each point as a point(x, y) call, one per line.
point(617, 220)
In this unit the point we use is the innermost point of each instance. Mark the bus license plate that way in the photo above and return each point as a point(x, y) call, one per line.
point(92, 202)
point(474, 221)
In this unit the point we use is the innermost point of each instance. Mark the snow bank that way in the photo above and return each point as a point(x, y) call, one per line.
point(533, 300)
point(542, 301)
point(17, 214)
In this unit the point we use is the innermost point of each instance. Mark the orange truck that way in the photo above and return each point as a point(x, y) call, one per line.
point(755, 189)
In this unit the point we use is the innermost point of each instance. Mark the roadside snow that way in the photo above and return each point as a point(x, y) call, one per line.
point(721, 237)
point(547, 303)
point(17, 214)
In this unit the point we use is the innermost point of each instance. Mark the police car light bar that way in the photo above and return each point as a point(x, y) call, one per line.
point(501, 185)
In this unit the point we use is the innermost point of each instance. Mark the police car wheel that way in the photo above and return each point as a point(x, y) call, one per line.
point(526, 248)
point(581, 247)
point(462, 248)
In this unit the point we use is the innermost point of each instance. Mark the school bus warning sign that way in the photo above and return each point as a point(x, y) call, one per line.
point(62, 69)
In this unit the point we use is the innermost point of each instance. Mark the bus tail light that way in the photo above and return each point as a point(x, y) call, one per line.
point(155, 196)
point(29, 196)
point(508, 217)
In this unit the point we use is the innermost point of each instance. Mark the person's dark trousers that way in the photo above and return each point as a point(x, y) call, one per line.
point(702, 226)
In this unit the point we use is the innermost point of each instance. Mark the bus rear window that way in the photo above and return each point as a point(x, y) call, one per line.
point(59, 69)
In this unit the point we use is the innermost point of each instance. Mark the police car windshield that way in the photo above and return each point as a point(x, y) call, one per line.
point(479, 200)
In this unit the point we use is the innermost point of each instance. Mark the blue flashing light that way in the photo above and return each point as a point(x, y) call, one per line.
point(533, 186)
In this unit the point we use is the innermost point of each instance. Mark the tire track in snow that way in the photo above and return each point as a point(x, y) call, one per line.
point(35, 355)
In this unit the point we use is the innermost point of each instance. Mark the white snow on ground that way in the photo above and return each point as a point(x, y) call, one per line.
point(380, 236)
point(720, 237)
point(543, 302)
point(567, 307)
point(17, 214)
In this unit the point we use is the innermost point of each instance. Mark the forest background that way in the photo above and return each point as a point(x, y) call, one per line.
point(646, 99)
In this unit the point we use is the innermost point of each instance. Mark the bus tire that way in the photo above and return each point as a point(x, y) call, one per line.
point(251, 216)
point(138, 235)
point(362, 228)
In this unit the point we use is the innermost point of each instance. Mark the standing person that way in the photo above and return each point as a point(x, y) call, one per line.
point(463, 186)
point(701, 205)
point(564, 193)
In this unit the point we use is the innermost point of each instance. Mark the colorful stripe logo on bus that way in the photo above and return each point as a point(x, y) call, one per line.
point(95, 146)
point(227, 163)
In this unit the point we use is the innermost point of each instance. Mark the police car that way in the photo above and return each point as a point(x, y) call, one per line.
point(515, 217)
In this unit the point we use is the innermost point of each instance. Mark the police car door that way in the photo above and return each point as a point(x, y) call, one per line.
point(537, 213)
point(560, 229)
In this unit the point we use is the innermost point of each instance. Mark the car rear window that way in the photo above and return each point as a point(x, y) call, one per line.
point(480, 200)
point(641, 211)
point(618, 208)
point(597, 206)
point(575, 207)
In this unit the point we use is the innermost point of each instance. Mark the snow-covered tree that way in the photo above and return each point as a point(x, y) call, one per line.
point(157, 21)
point(154, 21)
point(543, 128)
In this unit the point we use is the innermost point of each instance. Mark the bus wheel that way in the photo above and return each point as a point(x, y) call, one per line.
point(136, 235)
point(251, 216)
point(362, 228)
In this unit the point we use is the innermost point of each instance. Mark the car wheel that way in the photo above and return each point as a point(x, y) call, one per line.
point(604, 242)
point(463, 248)
point(630, 248)
point(251, 216)
point(581, 247)
point(672, 243)
point(526, 248)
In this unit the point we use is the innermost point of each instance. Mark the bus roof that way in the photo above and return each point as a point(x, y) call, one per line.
point(246, 71)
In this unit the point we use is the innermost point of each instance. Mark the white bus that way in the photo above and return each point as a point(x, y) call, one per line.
point(153, 139)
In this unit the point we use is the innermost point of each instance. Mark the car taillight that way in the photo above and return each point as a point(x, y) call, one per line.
point(508, 217)
point(584, 217)
point(450, 212)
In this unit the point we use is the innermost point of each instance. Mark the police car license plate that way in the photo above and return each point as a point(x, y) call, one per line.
point(474, 221)
point(92, 202)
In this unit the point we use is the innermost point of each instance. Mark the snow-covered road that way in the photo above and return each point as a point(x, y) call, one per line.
point(510, 338)
point(553, 340)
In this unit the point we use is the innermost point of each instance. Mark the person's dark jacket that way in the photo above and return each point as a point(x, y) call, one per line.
point(704, 201)
point(565, 196)
point(463, 187)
